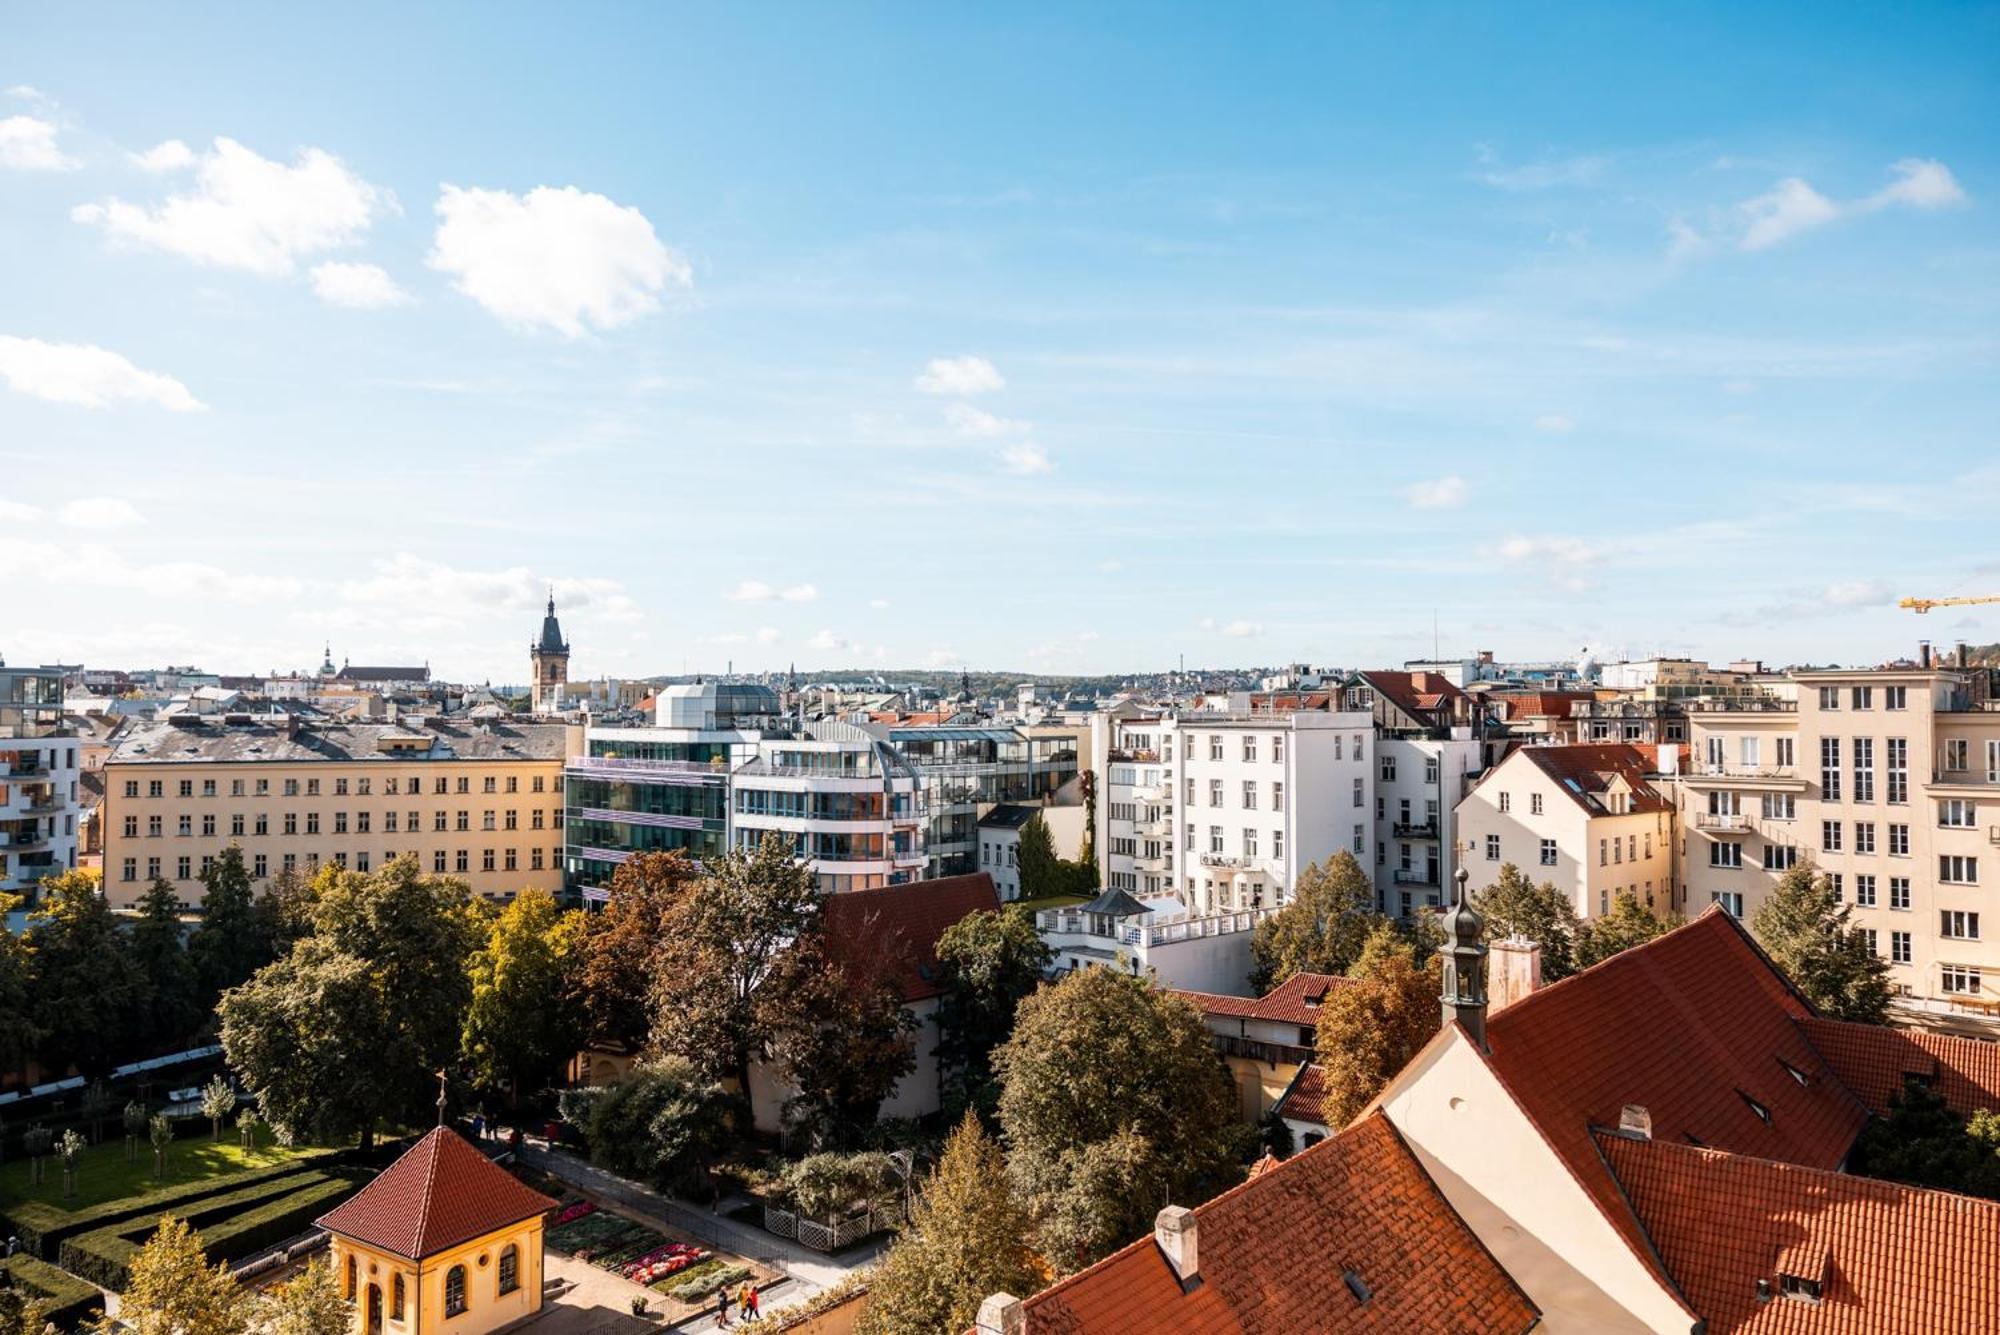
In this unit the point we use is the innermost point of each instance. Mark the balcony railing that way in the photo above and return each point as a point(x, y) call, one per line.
point(1699, 772)
point(1730, 820)
point(1724, 704)
point(1426, 878)
point(1271, 1054)
point(1416, 829)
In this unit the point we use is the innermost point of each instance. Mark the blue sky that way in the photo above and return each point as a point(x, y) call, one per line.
point(1016, 337)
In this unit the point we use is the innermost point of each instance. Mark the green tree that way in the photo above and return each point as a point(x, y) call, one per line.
point(174, 1012)
point(19, 1033)
point(718, 942)
point(348, 1030)
point(173, 1291)
point(1806, 931)
point(664, 1121)
point(230, 943)
point(217, 1101)
point(966, 1238)
point(1924, 1143)
point(987, 962)
point(1369, 1029)
point(1102, 1069)
point(1044, 872)
point(614, 975)
point(284, 911)
point(1515, 906)
point(86, 994)
point(1321, 929)
point(840, 1036)
point(1628, 924)
point(518, 1027)
point(309, 1303)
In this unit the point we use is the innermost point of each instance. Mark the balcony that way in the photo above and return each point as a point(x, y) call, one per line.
point(1726, 704)
point(1228, 862)
point(1162, 828)
point(1782, 777)
point(1141, 757)
point(1425, 829)
point(1156, 865)
point(21, 843)
point(1273, 1054)
point(1731, 820)
point(1427, 877)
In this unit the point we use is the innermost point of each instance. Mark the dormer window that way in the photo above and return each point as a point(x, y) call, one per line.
point(1801, 1289)
point(1795, 1073)
point(1763, 1113)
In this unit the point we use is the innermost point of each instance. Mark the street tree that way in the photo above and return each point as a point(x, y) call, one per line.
point(966, 1238)
point(218, 1099)
point(174, 1010)
point(987, 962)
point(518, 1026)
point(1515, 906)
point(1807, 932)
point(229, 944)
point(174, 1291)
point(614, 975)
point(1370, 1028)
point(86, 995)
point(1320, 929)
point(1924, 1143)
point(1629, 924)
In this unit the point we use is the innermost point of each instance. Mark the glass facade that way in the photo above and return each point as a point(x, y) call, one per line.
point(609, 819)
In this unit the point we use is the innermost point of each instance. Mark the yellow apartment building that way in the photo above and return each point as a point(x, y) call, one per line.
point(481, 800)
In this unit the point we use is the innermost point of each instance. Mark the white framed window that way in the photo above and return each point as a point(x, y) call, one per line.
point(1780, 806)
point(1787, 752)
point(1249, 794)
point(1731, 901)
point(1829, 836)
point(1899, 893)
point(1215, 792)
point(1959, 978)
point(1534, 804)
point(1726, 853)
point(1548, 852)
point(1249, 842)
point(1277, 795)
point(1829, 697)
point(1899, 947)
point(1957, 753)
point(1864, 697)
point(1214, 747)
point(1958, 869)
point(1388, 768)
point(1864, 836)
point(1492, 848)
point(1957, 813)
point(1958, 925)
point(1829, 768)
point(1780, 857)
point(1506, 803)
point(1899, 841)
point(1215, 839)
point(1895, 697)
point(1278, 845)
point(1278, 747)
point(1864, 890)
point(1750, 752)
point(1249, 746)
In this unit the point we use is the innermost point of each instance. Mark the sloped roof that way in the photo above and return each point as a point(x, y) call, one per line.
point(1585, 772)
point(1891, 1258)
point(1116, 903)
point(897, 927)
point(439, 1193)
point(1294, 1001)
point(1415, 693)
point(1538, 704)
point(1872, 1060)
point(1696, 1027)
point(1274, 1251)
point(1305, 1101)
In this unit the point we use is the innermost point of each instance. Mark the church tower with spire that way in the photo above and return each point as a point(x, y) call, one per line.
point(548, 659)
point(1464, 990)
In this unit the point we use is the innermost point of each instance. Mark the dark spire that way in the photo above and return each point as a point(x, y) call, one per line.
point(1464, 991)
point(552, 639)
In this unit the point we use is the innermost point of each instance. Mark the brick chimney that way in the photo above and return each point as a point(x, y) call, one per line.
point(1513, 970)
point(1001, 1314)
point(1174, 1231)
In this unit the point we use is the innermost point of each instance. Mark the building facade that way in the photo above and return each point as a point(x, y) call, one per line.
point(40, 773)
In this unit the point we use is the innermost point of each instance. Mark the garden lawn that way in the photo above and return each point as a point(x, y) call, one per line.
point(103, 1175)
point(1047, 902)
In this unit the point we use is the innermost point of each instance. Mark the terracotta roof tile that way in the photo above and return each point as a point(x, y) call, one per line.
point(1585, 772)
point(1274, 1252)
point(1305, 1101)
point(439, 1193)
point(898, 926)
point(1417, 694)
point(1894, 1260)
point(1872, 1060)
point(1294, 1001)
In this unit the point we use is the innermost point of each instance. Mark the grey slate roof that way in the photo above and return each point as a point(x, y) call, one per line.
point(1009, 816)
point(188, 740)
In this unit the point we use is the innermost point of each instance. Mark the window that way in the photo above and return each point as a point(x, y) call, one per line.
point(260, 866)
point(1249, 842)
point(1864, 697)
point(510, 1268)
point(153, 788)
point(439, 786)
point(1899, 841)
point(1277, 796)
point(350, 1277)
point(340, 788)
point(511, 861)
point(1534, 804)
point(1864, 890)
point(1249, 746)
point(1864, 769)
point(131, 827)
point(1895, 697)
point(1829, 836)
point(131, 787)
point(1787, 752)
point(236, 826)
point(1249, 794)
point(1430, 769)
point(1731, 901)
point(152, 869)
point(437, 861)
point(131, 870)
point(364, 786)
point(1899, 893)
point(1603, 852)
point(454, 1291)
point(538, 783)
point(1837, 883)
point(464, 861)
point(1958, 925)
point(487, 820)
point(263, 825)
point(186, 826)
point(1864, 836)
point(1750, 751)
point(396, 1298)
point(1829, 768)
point(388, 822)
point(1548, 852)
point(340, 822)
point(536, 822)
point(1506, 803)
point(1780, 857)
point(439, 821)
point(1360, 797)
point(263, 787)
point(1958, 978)
point(1388, 768)
point(1215, 792)
point(1780, 806)
point(1958, 869)
point(513, 783)
point(464, 783)
point(1727, 853)
point(312, 822)
point(1955, 813)
point(187, 788)
point(1829, 697)
point(1898, 762)
point(1492, 848)
point(534, 859)
point(1214, 747)
point(312, 787)
point(1278, 845)
point(1899, 947)
point(1955, 753)
point(486, 860)
point(489, 784)
point(1215, 839)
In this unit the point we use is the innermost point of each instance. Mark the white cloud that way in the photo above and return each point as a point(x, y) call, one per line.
point(100, 512)
point(768, 635)
point(1444, 493)
point(827, 640)
point(1684, 241)
point(1859, 593)
point(1575, 171)
point(406, 581)
point(249, 212)
point(27, 93)
point(1241, 630)
point(78, 566)
point(959, 375)
point(978, 424)
point(167, 156)
point(359, 287)
point(562, 259)
point(757, 591)
point(942, 658)
point(1787, 209)
point(84, 374)
point(1922, 183)
point(1567, 562)
point(18, 510)
point(1025, 460)
point(1554, 422)
point(29, 145)
point(879, 604)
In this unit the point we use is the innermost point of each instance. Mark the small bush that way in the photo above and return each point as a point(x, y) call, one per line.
point(697, 1290)
point(243, 1222)
point(42, 1227)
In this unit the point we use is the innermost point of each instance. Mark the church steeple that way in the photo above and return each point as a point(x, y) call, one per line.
point(548, 660)
point(1464, 991)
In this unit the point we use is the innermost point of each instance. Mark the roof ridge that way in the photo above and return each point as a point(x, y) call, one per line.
point(1887, 1187)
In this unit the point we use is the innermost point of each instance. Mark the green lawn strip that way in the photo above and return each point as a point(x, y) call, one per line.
point(232, 1226)
point(1047, 902)
point(43, 1227)
point(69, 1299)
point(104, 1175)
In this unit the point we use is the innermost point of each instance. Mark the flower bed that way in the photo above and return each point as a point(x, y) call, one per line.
point(624, 1247)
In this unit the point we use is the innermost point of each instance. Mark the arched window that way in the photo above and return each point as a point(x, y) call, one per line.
point(454, 1290)
point(510, 1268)
point(396, 1299)
point(350, 1277)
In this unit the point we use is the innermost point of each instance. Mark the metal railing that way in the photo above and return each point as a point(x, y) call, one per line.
point(1423, 878)
point(1416, 829)
point(1728, 820)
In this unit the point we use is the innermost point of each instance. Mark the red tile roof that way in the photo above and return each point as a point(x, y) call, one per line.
point(1538, 704)
point(1694, 1026)
point(439, 1193)
point(1872, 1060)
point(1294, 1001)
point(1418, 694)
point(1893, 1260)
point(1590, 768)
point(898, 927)
point(1273, 1254)
point(1305, 1101)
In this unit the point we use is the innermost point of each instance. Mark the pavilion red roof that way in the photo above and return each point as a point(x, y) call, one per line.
point(439, 1193)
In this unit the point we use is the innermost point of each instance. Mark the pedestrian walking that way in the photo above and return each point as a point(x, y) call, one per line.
point(722, 1304)
point(751, 1301)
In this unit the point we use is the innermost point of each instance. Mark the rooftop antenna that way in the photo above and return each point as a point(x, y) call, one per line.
point(1436, 653)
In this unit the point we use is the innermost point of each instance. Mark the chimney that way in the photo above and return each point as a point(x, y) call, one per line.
point(1174, 1231)
point(1635, 1122)
point(1964, 654)
point(1513, 970)
point(1670, 757)
point(1924, 654)
point(1001, 1314)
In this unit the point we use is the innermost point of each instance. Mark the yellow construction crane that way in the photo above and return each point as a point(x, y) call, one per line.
point(1926, 604)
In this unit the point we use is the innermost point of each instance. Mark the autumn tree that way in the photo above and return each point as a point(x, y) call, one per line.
point(173, 1011)
point(1628, 924)
point(174, 1291)
point(1806, 931)
point(717, 944)
point(1370, 1028)
point(613, 983)
point(1320, 929)
point(20, 1314)
point(518, 1029)
point(1114, 1102)
point(1515, 906)
point(664, 1121)
point(840, 1037)
point(309, 1303)
point(987, 962)
point(229, 944)
point(966, 1238)
point(86, 996)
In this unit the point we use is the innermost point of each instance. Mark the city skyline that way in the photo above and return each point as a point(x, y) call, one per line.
point(1056, 342)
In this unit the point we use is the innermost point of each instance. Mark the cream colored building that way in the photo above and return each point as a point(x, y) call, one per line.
point(1589, 819)
point(1889, 781)
point(482, 801)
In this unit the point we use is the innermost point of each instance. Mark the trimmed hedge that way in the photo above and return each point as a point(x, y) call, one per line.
point(42, 1228)
point(232, 1226)
point(701, 1288)
point(69, 1298)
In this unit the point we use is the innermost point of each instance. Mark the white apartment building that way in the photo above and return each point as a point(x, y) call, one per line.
point(39, 773)
point(1889, 780)
point(1418, 784)
point(1157, 938)
point(1593, 820)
